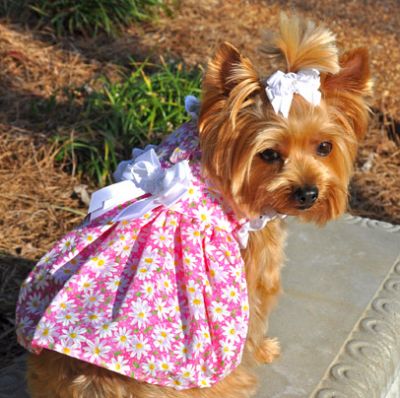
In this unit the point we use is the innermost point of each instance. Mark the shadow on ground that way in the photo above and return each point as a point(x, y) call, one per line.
point(13, 271)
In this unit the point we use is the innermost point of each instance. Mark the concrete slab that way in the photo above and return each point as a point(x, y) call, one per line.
point(338, 321)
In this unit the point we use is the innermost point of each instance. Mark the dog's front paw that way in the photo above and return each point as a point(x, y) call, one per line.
point(269, 350)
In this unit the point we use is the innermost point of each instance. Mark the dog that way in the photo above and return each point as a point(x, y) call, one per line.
point(203, 214)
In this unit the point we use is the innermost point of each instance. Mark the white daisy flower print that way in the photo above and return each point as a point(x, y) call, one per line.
point(63, 303)
point(161, 307)
point(96, 350)
point(228, 350)
point(197, 307)
point(66, 346)
point(106, 329)
point(67, 244)
point(140, 346)
point(165, 364)
point(42, 280)
point(95, 317)
point(66, 318)
point(194, 235)
point(140, 312)
point(203, 214)
point(72, 259)
point(223, 224)
point(178, 383)
point(162, 338)
point(164, 284)
point(75, 334)
point(88, 237)
point(116, 283)
point(236, 273)
point(46, 333)
point(187, 374)
point(219, 311)
point(120, 365)
point(122, 337)
point(193, 193)
point(148, 289)
point(125, 250)
point(182, 351)
point(122, 237)
point(86, 283)
point(205, 382)
point(36, 304)
point(231, 331)
point(217, 273)
point(174, 310)
point(223, 255)
point(190, 261)
point(162, 238)
point(242, 326)
point(48, 258)
point(93, 298)
point(192, 287)
point(151, 366)
point(197, 345)
point(231, 294)
point(23, 324)
point(147, 265)
point(98, 263)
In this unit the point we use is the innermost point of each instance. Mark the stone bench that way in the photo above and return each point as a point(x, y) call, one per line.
point(338, 320)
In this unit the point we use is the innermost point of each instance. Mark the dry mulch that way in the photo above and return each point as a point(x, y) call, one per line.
point(37, 201)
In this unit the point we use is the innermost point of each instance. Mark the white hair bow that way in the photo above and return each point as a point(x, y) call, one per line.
point(282, 86)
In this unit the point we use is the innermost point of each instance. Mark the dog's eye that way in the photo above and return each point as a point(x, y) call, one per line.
point(324, 148)
point(271, 156)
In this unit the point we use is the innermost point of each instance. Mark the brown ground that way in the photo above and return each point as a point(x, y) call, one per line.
point(37, 204)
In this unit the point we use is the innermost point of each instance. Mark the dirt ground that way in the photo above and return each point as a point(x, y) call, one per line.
point(37, 199)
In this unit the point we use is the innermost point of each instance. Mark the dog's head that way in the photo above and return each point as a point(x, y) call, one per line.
point(297, 161)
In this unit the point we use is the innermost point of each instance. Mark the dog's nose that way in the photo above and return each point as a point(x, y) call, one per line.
point(305, 196)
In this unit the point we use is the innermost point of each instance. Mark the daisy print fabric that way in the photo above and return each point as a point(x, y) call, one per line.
point(161, 298)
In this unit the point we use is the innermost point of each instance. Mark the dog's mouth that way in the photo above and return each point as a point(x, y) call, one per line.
point(305, 207)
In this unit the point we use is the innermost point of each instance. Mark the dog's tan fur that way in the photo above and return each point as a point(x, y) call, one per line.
point(236, 124)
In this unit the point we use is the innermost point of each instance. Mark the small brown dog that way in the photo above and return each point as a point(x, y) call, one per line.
point(288, 144)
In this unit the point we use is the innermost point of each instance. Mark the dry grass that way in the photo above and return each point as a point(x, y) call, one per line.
point(200, 26)
point(36, 208)
point(36, 201)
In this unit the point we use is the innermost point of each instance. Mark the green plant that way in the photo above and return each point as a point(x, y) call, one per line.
point(141, 108)
point(87, 17)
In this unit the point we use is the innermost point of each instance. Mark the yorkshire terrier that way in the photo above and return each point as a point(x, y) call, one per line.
point(166, 289)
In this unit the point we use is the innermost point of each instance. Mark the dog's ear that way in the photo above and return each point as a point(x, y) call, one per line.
point(348, 90)
point(230, 86)
point(230, 80)
point(221, 69)
point(354, 74)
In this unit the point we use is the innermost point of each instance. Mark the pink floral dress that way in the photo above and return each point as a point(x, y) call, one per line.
point(161, 298)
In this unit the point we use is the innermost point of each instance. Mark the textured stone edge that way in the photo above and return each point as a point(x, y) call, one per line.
point(370, 223)
point(368, 362)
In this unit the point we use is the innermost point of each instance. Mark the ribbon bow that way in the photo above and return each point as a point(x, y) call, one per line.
point(282, 86)
point(255, 225)
point(143, 175)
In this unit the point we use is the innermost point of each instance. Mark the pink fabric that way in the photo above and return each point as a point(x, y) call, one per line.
point(162, 298)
